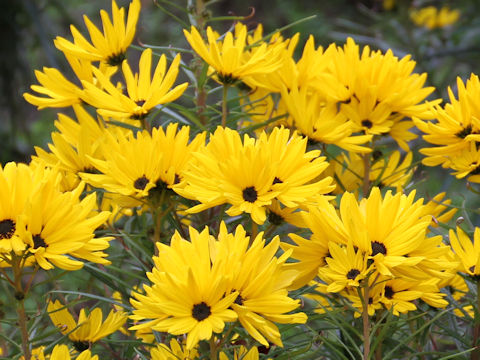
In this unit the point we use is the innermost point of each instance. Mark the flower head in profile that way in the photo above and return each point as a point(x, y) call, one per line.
point(466, 250)
point(111, 45)
point(232, 58)
point(144, 91)
point(188, 294)
point(89, 328)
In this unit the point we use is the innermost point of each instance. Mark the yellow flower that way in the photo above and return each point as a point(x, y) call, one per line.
point(260, 280)
point(320, 122)
point(232, 58)
point(250, 174)
point(173, 352)
point(89, 328)
point(188, 295)
point(456, 128)
point(467, 252)
point(383, 93)
point(399, 295)
point(16, 185)
point(60, 92)
point(109, 47)
point(145, 164)
point(60, 352)
point(346, 267)
point(242, 353)
point(431, 17)
point(144, 92)
point(59, 225)
point(390, 230)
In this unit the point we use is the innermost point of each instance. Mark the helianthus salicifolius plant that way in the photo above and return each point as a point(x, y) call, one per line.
point(108, 47)
point(250, 174)
point(261, 282)
point(144, 90)
point(382, 91)
point(139, 165)
point(390, 230)
point(200, 285)
point(231, 57)
point(56, 90)
point(455, 132)
point(89, 328)
point(188, 294)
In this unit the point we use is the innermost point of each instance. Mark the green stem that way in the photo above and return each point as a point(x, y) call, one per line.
point(366, 323)
point(20, 295)
point(224, 105)
point(476, 328)
point(366, 174)
point(213, 349)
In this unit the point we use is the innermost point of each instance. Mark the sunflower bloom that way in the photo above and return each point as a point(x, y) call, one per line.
point(109, 47)
point(144, 91)
point(383, 93)
point(260, 280)
point(230, 58)
point(146, 164)
point(187, 295)
point(322, 123)
point(346, 267)
point(391, 231)
point(89, 328)
point(58, 91)
point(467, 252)
point(250, 174)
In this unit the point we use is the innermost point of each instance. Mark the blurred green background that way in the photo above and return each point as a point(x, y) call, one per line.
point(29, 27)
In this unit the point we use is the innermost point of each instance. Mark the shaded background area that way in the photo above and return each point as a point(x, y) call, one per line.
point(29, 27)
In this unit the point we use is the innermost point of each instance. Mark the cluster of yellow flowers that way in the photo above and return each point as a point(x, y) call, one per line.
point(323, 126)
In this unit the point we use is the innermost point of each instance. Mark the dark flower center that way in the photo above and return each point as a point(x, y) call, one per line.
point(201, 311)
point(227, 79)
point(389, 292)
point(7, 228)
point(352, 274)
point(378, 248)
point(462, 134)
point(140, 102)
point(275, 218)
point(81, 345)
point(277, 181)
point(115, 59)
point(367, 123)
point(475, 171)
point(250, 194)
point(140, 183)
point(239, 300)
point(377, 154)
point(38, 241)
